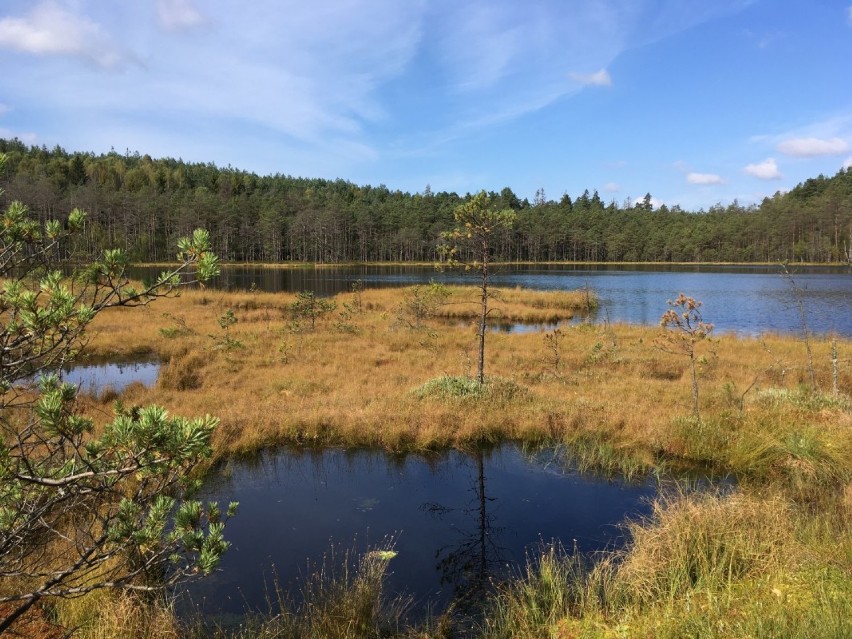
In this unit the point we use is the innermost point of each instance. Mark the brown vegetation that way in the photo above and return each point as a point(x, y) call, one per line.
point(606, 389)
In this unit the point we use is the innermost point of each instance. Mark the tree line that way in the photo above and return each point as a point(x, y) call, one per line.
point(142, 205)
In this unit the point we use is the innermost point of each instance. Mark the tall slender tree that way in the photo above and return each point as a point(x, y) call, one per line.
point(470, 246)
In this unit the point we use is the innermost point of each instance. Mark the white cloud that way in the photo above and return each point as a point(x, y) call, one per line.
point(611, 187)
point(656, 203)
point(766, 170)
point(49, 29)
point(847, 163)
point(813, 147)
point(178, 15)
point(598, 79)
point(704, 178)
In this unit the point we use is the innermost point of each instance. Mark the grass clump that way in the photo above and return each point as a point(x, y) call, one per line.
point(460, 387)
point(701, 541)
point(182, 372)
point(551, 588)
point(803, 458)
point(734, 565)
point(105, 614)
point(591, 451)
point(452, 387)
point(343, 598)
point(802, 397)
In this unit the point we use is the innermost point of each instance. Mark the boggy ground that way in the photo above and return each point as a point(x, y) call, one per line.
point(365, 375)
point(391, 368)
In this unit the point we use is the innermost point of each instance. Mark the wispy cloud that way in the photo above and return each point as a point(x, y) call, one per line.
point(849, 15)
point(813, 147)
point(847, 163)
point(328, 84)
point(487, 47)
point(51, 30)
point(310, 73)
point(816, 138)
point(763, 40)
point(483, 44)
point(766, 170)
point(612, 187)
point(704, 178)
point(179, 15)
point(598, 79)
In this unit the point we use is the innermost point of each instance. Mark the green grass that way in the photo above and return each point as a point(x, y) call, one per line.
point(450, 387)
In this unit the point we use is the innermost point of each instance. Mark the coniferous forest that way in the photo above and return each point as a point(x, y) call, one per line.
point(143, 205)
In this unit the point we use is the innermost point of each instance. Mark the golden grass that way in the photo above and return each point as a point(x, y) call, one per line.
point(354, 381)
point(107, 614)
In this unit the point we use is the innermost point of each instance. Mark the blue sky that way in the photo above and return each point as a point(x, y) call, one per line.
point(696, 102)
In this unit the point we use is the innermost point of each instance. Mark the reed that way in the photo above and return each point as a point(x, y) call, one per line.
point(341, 598)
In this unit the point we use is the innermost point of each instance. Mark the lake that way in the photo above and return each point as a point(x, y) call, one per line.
point(457, 520)
point(745, 299)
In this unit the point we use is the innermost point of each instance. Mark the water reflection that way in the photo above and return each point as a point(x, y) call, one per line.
point(469, 563)
point(96, 377)
point(458, 519)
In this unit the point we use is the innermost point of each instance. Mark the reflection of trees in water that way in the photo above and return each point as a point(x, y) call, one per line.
point(469, 564)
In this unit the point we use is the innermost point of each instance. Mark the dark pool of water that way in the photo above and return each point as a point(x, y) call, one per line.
point(456, 519)
point(744, 299)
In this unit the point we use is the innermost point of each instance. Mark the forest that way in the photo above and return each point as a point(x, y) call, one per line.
point(143, 205)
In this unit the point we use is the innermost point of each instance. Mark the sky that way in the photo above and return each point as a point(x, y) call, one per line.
point(698, 102)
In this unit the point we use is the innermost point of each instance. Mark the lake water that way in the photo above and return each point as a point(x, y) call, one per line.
point(457, 519)
point(747, 300)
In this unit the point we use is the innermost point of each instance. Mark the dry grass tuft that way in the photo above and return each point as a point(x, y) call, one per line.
point(105, 614)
